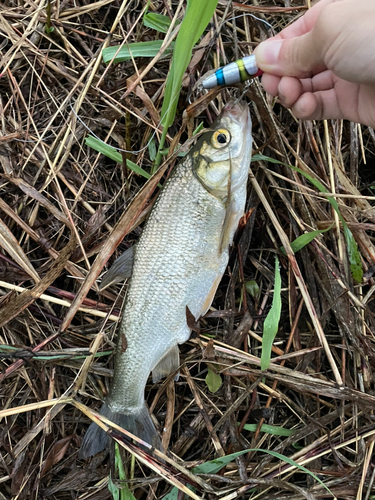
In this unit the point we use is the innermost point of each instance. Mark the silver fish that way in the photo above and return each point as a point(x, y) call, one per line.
point(178, 264)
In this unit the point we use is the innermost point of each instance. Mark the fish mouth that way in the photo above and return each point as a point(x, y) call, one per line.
point(237, 111)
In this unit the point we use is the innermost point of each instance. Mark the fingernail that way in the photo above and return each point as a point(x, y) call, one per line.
point(267, 53)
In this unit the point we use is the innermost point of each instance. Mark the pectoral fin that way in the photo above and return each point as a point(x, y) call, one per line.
point(169, 363)
point(227, 229)
point(121, 269)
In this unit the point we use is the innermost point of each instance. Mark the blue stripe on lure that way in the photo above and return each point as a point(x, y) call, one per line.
point(235, 72)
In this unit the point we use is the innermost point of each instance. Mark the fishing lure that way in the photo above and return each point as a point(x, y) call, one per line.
point(235, 72)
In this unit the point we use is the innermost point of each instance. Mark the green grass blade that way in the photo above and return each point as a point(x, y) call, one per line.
point(275, 430)
point(211, 467)
point(271, 323)
point(157, 22)
point(139, 49)
point(305, 239)
point(113, 489)
point(111, 152)
point(73, 357)
point(198, 15)
point(353, 253)
point(199, 128)
point(4, 349)
point(125, 493)
point(215, 466)
point(295, 464)
point(352, 247)
point(313, 181)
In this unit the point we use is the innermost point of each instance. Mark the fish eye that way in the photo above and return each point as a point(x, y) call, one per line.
point(220, 138)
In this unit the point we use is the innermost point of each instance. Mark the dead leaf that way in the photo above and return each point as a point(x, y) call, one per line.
point(93, 226)
point(75, 481)
point(18, 473)
point(56, 453)
point(11, 245)
point(24, 299)
point(209, 352)
point(36, 195)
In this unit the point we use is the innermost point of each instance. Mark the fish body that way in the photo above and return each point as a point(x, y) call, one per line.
point(178, 264)
point(235, 72)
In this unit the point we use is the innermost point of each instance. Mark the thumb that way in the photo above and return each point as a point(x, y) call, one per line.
point(290, 57)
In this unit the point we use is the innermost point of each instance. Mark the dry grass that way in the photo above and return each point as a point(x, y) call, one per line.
point(62, 205)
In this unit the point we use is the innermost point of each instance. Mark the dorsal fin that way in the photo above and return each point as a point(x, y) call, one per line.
point(121, 269)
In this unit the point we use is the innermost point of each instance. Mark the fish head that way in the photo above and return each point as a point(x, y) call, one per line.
point(221, 158)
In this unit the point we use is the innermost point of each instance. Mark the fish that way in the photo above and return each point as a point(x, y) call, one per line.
point(234, 72)
point(178, 264)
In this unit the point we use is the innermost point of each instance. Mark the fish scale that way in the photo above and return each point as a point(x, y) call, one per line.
point(178, 264)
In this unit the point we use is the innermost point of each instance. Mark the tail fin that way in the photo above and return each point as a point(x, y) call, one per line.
point(139, 424)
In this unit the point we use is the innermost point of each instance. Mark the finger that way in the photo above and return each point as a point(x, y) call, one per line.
point(322, 105)
point(289, 90)
point(322, 81)
point(300, 48)
point(291, 57)
point(270, 83)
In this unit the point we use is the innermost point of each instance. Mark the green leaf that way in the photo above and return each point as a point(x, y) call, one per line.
point(157, 22)
point(111, 152)
point(213, 380)
point(199, 128)
point(152, 150)
point(198, 15)
point(269, 429)
point(139, 49)
point(125, 493)
point(172, 495)
point(305, 239)
point(252, 288)
point(113, 488)
point(271, 323)
point(353, 252)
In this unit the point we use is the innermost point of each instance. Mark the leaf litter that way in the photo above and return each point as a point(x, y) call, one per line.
point(67, 212)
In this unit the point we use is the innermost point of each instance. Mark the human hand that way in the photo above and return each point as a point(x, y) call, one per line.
point(323, 65)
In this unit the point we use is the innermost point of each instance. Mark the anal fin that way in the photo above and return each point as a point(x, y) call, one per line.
point(169, 363)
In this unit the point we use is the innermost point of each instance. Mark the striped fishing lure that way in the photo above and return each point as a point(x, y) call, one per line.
point(235, 72)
